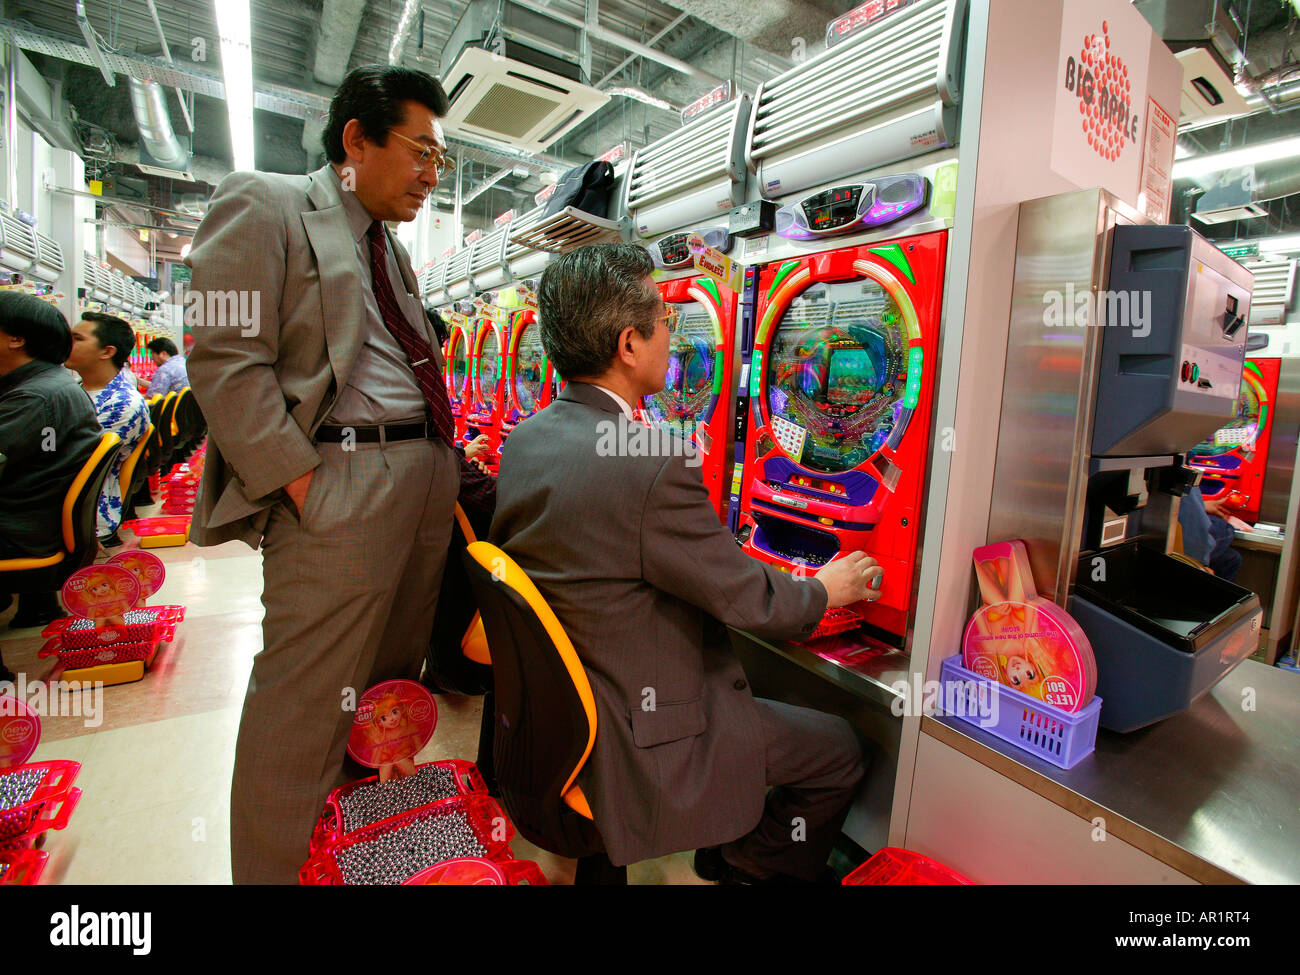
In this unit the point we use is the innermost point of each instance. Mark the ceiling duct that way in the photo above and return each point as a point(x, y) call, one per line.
point(514, 78)
point(1208, 92)
point(1240, 194)
point(161, 152)
point(1208, 24)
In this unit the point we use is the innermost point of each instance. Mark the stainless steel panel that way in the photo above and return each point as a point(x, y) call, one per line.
point(1216, 781)
point(1040, 474)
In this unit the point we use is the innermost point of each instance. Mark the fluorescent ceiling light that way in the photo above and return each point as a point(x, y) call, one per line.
point(403, 29)
point(1232, 159)
point(1282, 245)
point(234, 27)
point(1181, 151)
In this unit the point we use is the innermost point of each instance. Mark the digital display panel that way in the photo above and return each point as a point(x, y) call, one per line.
point(673, 250)
point(832, 208)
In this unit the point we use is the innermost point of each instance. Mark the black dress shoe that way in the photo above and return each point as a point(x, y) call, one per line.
point(35, 609)
point(711, 865)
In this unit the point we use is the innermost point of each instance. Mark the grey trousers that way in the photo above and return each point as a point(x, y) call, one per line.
point(350, 590)
point(814, 764)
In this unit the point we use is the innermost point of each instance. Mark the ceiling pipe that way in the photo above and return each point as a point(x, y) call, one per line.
point(672, 25)
point(149, 106)
point(167, 55)
point(626, 43)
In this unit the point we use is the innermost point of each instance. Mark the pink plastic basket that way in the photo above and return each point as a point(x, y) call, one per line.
point(481, 812)
point(330, 827)
point(48, 807)
point(150, 527)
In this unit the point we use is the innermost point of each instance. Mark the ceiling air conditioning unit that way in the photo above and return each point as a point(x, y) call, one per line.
point(1208, 92)
point(512, 77)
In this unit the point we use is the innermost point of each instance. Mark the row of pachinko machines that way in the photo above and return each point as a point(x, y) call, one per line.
point(805, 377)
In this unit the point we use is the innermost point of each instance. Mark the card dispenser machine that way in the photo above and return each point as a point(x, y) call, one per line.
point(1164, 632)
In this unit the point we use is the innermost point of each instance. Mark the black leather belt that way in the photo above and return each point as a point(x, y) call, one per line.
point(381, 433)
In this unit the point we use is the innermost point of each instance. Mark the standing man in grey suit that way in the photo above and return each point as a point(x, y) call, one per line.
point(628, 552)
point(330, 443)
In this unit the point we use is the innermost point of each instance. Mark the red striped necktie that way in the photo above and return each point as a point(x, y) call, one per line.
point(477, 490)
point(427, 374)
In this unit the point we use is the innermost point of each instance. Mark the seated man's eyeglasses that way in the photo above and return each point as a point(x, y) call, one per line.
point(430, 156)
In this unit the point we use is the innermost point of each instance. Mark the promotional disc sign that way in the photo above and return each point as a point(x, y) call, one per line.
point(462, 872)
point(1024, 641)
point(100, 591)
point(147, 568)
point(20, 731)
point(394, 720)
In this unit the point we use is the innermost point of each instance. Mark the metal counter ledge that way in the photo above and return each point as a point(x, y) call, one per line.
point(1214, 791)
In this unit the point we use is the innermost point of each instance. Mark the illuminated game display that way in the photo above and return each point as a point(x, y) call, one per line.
point(841, 383)
point(487, 373)
point(456, 356)
point(693, 403)
point(529, 385)
point(1233, 461)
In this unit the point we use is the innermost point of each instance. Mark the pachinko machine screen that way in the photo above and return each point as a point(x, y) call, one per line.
point(530, 372)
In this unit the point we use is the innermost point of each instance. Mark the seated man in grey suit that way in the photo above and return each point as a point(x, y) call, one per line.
point(629, 553)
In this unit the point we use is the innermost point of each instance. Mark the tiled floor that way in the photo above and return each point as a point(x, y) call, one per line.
point(157, 754)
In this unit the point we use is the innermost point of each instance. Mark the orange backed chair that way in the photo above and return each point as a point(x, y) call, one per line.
point(188, 426)
point(544, 715)
point(163, 424)
point(79, 541)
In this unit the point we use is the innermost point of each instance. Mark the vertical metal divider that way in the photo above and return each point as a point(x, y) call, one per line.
point(952, 320)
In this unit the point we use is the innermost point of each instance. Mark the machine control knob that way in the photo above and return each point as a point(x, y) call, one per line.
point(1187, 370)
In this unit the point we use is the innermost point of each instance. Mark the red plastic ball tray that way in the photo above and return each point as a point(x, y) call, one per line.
point(49, 806)
point(142, 626)
point(482, 813)
point(21, 867)
point(895, 867)
point(329, 828)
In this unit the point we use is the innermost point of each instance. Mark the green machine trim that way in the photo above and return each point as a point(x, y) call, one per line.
point(719, 358)
point(912, 392)
point(781, 275)
point(895, 256)
point(709, 285)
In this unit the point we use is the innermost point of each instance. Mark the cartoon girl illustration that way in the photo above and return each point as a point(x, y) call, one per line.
point(393, 738)
point(103, 593)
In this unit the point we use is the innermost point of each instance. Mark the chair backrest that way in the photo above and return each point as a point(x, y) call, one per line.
point(81, 503)
point(545, 722)
point(127, 476)
point(190, 424)
point(166, 417)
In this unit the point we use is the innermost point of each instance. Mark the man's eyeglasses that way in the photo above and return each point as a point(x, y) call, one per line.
point(430, 156)
point(669, 318)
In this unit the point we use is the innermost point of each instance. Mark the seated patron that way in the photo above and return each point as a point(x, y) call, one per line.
point(170, 375)
point(630, 555)
point(100, 346)
point(48, 430)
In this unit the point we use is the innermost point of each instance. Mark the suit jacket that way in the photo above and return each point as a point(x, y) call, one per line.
point(630, 555)
point(285, 239)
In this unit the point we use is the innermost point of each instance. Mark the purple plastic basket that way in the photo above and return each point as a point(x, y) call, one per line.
point(1060, 737)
